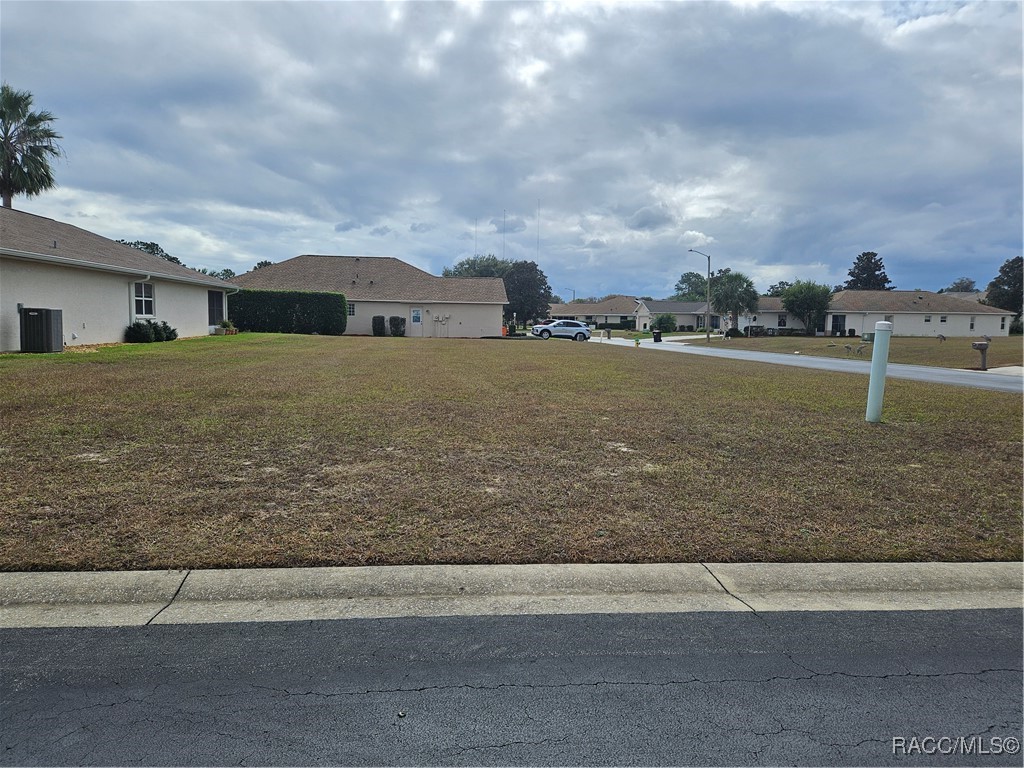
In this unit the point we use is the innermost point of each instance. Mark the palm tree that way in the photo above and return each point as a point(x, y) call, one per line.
point(734, 293)
point(27, 143)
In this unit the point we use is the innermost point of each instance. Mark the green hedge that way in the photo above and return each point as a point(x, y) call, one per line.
point(289, 312)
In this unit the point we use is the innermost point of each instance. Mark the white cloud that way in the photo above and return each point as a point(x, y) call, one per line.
point(406, 129)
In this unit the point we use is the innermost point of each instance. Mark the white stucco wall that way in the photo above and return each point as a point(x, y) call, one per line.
point(914, 324)
point(96, 306)
point(439, 320)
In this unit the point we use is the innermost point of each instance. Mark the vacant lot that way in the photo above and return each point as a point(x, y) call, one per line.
point(263, 450)
point(952, 353)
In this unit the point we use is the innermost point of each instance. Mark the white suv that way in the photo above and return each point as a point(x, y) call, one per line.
point(569, 329)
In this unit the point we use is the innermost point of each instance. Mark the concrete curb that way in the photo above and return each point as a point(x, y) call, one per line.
point(135, 598)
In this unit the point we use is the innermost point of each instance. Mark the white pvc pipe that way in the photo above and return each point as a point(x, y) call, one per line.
point(879, 362)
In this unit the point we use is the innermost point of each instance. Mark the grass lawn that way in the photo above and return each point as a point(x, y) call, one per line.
point(272, 450)
point(952, 353)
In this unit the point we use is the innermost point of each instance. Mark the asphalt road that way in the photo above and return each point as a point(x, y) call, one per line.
point(800, 688)
point(950, 376)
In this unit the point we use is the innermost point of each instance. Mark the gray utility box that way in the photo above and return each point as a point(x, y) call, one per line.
point(42, 330)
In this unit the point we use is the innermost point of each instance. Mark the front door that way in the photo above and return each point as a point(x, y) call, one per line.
point(416, 321)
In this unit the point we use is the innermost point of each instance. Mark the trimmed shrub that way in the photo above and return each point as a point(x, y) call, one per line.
point(396, 325)
point(378, 325)
point(170, 334)
point(735, 333)
point(159, 334)
point(290, 312)
point(665, 322)
point(139, 332)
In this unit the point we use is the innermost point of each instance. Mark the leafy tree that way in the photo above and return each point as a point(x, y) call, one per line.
point(27, 144)
point(556, 299)
point(868, 274)
point(529, 295)
point(224, 274)
point(262, 264)
point(666, 322)
point(1006, 290)
point(961, 285)
point(733, 292)
point(779, 288)
point(478, 266)
point(692, 286)
point(807, 301)
point(647, 298)
point(152, 248)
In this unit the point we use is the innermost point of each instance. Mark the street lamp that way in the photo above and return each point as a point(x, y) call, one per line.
point(573, 293)
point(707, 306)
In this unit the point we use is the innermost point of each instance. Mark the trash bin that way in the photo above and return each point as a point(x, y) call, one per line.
point(657, 336)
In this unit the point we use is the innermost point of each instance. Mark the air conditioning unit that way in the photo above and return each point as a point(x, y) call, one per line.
point(42, 330)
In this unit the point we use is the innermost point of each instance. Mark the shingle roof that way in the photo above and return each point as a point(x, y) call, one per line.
point(908, 301)
point(52, 240)
point(372, 278)
point(770, 304)
point(614, 305)
point(676, 307)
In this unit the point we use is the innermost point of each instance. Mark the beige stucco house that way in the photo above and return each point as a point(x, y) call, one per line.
point(100, 286)
point(912, 313)
point(687, 314)
point(440, 307)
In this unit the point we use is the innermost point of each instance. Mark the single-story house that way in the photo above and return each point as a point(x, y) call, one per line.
point(912, 313)
point(99, 286)
point(687, 314)
point(463, 307)
point(615, 310)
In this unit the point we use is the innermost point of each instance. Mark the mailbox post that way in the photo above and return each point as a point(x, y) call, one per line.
point(982, 346)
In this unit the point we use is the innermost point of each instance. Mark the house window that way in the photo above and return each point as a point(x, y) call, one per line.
point(351, 309)
point(927, 318)
point(782, 321)
point(144, 305)
point(1002, 323)
point(942, 318)
point(972, 322)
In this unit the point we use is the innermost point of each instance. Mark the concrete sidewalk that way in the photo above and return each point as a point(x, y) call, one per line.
point(136, 598)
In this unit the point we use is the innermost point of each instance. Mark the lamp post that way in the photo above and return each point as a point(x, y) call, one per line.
point(573, 293)
point(707, 306)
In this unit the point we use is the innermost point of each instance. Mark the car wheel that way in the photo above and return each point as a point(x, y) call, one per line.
point(545, 334)
point(581, 337)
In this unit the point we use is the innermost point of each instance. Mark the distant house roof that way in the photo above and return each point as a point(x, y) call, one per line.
point(36, 238)
point(675, 307)
point(372, 278)
point(618, 304)
point(908, 301)
point(968, 295)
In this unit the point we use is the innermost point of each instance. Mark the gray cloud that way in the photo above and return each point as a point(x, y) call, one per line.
point(783, 139)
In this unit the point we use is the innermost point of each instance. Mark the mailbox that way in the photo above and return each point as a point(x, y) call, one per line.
point(982, 346)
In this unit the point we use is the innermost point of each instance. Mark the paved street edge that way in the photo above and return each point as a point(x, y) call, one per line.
point(136, 598)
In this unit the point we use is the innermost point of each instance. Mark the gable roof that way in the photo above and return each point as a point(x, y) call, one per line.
point(36, 238)
point(658, 307)
point(372, 278)
point(908, 301)
point(619, 304)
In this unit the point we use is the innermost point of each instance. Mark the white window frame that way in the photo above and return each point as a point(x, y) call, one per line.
point(142, 300)
point(973, 318)
point(927, 318)
point(351, 309)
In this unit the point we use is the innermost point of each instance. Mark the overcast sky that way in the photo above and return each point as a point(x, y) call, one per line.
point(600, 140)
